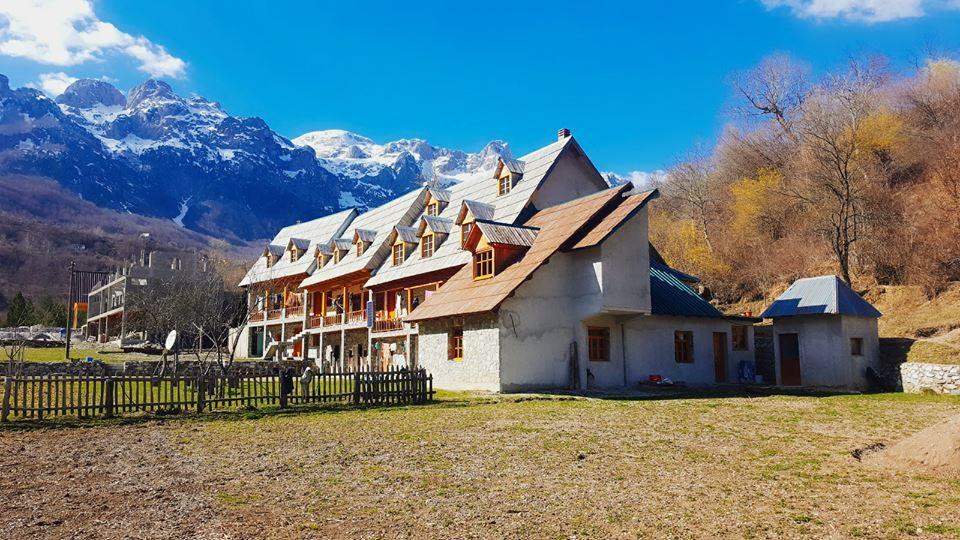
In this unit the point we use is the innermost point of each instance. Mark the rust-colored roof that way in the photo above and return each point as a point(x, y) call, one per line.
point(463, 295)
point(609, 223)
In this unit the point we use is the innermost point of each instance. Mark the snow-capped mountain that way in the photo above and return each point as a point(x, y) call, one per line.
point(155, 153)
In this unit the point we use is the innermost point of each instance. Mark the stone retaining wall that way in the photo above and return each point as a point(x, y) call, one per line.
point(940, 378)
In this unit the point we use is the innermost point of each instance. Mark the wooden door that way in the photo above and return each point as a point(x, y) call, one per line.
point(720, 356)
point(789, 359)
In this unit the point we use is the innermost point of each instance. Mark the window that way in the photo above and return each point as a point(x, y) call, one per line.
point(856, 346)
point(455, 344)
point(465, 233)
point(741, 337)
point(337, 255)
point(433, 209)
point(397, 254)
point(426, 245)
point(293, 255)
point(598, 344)
point(483, 264)
point(683, 346)
point(505, 184)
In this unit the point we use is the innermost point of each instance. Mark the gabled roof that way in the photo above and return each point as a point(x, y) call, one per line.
point(299, 243)
point(557, 225)
point(437, 224)
point(479, 194)
point(823, 295)
point(478, 209)
point(440, 194)
point(274, 249)
point(406, 234)
point(363, 235)
point(317, 232)
point(502, 233)
point(515, 166)
point(403, 211)
point(611, 222)
point(343, 244)
point(670, 296)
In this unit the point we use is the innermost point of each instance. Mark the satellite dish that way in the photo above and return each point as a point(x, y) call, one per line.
point(171, 340)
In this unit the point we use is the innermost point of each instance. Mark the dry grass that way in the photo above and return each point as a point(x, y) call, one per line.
point(511, 467)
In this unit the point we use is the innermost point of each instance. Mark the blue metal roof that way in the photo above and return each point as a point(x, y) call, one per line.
point(823, 295)
point(670, 296)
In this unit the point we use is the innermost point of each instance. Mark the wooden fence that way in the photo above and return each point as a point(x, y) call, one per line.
point(88, 396)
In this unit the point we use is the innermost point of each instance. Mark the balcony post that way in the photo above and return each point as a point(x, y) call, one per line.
point(345, 307)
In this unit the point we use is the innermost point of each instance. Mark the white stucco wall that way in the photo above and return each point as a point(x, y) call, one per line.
point(866, 329)
point(571, 178)
point(824, 350)
point(625, 258)
point(480, 367)
point(650, 349)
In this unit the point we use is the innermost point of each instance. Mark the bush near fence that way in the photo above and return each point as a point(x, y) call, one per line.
point(40, 397)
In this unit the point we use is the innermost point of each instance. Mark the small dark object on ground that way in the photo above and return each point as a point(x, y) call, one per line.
point(870, 448)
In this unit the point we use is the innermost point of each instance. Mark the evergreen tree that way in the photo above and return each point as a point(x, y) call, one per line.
point(50, 313)
point(21, 311)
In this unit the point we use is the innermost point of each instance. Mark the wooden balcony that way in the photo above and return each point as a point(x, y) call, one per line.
point(332, 320)
point(356, 317)
point(274, 314)
point(387, 325)
point(256, 316)
point(295, 311)
point(315, 321)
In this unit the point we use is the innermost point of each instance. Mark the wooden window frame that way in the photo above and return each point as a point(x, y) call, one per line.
point(424, 240)
point(598, 343)
point(504, 184)
point(856, 346)
point(398, 254)
point(465, 230)
point(746, 337)
point(433, 209)
point(483, 264)
point(359, 248)
point(683, 346)
point(455, 344)
point(336, 255)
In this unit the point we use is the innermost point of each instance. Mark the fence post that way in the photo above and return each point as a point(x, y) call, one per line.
point(7, 384)
point(356, 388)
point(108, 398)
point(284, 389)
point(201, 398)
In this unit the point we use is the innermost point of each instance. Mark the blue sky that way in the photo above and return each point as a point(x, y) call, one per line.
point(639, 84)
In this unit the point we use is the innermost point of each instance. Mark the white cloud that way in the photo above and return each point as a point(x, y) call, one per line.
point(867, 11)
point(55, 83)
point(68, 32)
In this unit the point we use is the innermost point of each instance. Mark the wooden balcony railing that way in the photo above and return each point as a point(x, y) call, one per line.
point(315, 321)
point(295, 311)
point(357, 316)
point(387, 325)
point(256, 316)
point(332, 320)
point(274, 314)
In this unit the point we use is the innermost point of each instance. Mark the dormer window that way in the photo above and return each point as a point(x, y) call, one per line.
point(359, 248)
point(505, 184)
point(483, 264)
point(433, 209)
point(465, 233)
point(294, 254)
point(427, 245)
point(398, 254)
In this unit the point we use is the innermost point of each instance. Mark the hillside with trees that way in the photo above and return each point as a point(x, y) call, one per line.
point(855, 173)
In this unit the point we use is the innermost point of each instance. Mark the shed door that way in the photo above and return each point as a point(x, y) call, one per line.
point(720, 356)
point(789, 359)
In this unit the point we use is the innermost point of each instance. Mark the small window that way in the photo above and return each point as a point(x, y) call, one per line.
point(598, 344)
point(465, 233)
point(359, 248)
point(426, 245)
point(337, 255)
point(398, 254)
point(433, 209)
point(856, 346)
point(455, 344)
point(505, 184)
point(483, 264)
point(741, 337)
point(683, 346)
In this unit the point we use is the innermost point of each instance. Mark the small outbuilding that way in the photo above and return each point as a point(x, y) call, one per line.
point(824, 335)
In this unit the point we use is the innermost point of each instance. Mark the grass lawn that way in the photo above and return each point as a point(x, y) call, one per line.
point(56, 354)
point(488, 467)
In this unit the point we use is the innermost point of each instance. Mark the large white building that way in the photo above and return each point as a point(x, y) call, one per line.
point(536, 276)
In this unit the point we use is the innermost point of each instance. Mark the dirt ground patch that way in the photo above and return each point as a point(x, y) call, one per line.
point(760, 467)
point(934, 451)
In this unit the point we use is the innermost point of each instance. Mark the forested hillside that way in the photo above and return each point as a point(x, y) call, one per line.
point(855, 173)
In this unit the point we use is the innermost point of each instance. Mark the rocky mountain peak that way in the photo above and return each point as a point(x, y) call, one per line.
point(151, 90)
point(87, 93)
